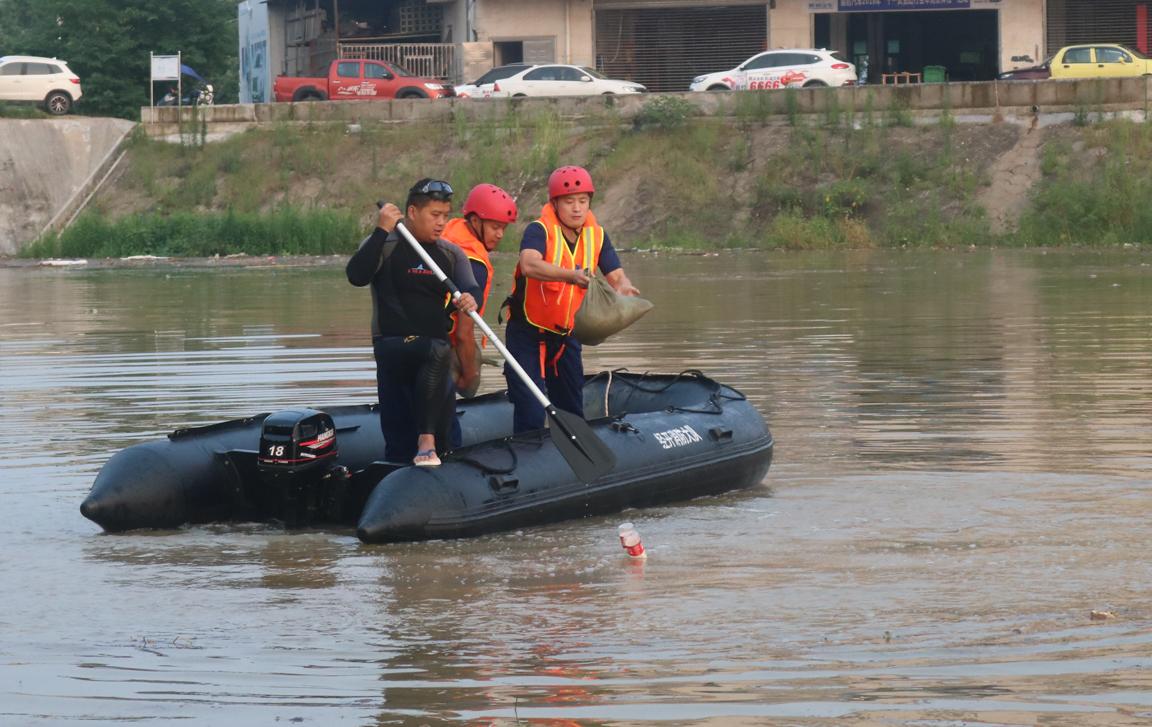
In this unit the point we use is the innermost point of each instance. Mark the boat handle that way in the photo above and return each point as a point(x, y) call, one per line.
point(720, 434)
point(501, 483)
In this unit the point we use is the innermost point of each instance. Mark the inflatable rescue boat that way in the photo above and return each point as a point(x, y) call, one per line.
point(672, 437)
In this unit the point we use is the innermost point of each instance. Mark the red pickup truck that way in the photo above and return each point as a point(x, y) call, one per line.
point(351, 79)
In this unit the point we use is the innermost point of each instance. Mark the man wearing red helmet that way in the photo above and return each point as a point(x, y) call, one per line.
point(487, 211)
point(558, 253)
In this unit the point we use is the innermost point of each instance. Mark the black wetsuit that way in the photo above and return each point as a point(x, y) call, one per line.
point(410, 325)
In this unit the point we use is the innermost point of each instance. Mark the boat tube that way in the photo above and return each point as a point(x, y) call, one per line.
point(674, 436)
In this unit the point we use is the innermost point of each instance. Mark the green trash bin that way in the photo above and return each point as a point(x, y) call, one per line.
point(935, 74)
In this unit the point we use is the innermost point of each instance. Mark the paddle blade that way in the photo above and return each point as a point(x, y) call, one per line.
point(586, 453)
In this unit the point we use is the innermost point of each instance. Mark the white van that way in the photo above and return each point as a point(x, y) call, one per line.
point(45, 81)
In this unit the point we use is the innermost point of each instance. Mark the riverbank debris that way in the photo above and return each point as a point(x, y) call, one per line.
point(60, 263)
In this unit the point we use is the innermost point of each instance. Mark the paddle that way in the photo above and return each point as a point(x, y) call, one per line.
point(585, 453)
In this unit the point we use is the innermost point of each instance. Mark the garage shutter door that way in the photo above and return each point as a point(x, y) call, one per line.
point(1099, 21)
point(664, 48)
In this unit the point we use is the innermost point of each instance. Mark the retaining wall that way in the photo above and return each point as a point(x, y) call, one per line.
point(48, 169)
point(985, 98)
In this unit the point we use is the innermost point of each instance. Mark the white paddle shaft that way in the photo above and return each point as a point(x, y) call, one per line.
point(475, 316)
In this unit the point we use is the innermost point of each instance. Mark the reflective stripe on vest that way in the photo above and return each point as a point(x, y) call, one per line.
point(552, 305)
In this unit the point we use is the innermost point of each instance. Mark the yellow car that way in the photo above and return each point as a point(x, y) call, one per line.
point(1099, 60)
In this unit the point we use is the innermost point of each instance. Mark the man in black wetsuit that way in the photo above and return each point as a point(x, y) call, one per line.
point(410, 321)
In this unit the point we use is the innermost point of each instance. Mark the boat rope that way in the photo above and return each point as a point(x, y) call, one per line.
point(715, 402)
point(217, 427)
point(506, 444)
point(716, 399)
point(639, 385)
point(607, 388)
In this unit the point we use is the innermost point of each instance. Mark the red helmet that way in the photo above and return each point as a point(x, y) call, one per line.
point(489, 202)
point(569, 180)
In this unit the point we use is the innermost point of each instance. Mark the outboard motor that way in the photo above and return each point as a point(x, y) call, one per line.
point(297, 462)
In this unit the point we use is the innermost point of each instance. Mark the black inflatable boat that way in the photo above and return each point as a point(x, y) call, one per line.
point(674, 437)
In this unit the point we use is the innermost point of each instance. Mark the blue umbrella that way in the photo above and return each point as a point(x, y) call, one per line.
point(187, 71)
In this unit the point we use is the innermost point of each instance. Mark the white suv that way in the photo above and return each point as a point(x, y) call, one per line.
point(46, 81)
point(782, 68)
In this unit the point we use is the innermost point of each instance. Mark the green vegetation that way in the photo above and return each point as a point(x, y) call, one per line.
point(664, 112)
point(1097, 189)
point(291, 189)
point(21, 111)
point(848, 178)
point(185, 234)
point(801, 186)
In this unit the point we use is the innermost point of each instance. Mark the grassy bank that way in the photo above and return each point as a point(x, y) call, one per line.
point(768, 179)
point(1097, 188)
point(11, 110)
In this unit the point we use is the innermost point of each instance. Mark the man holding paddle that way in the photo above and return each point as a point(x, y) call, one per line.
point(401, 260)
point(558, 253)
point(588, 456)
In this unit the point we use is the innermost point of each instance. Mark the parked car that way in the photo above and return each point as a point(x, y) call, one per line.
point(356, 79)
point(796, 67)
point(549, 79)
point(1099, 60)
point(1031, 73)
point(469, 90)
point(44, 81)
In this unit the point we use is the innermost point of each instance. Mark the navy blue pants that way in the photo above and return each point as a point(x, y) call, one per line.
point(554, 364)
point(413, 383)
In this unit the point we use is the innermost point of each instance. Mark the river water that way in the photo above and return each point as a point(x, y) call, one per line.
point(963, 475)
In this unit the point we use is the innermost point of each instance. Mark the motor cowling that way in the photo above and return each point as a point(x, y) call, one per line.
point(296, 441)
point(298, 468)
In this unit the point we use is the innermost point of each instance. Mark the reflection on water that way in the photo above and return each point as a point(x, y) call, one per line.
point(961, 477)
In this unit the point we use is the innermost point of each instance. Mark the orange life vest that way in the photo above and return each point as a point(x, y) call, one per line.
point(552, 305)
point(458, 233)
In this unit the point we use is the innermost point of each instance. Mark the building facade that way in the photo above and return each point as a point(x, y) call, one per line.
point(665, 43)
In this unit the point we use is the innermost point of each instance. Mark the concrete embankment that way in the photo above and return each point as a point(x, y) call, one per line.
point(48, 168)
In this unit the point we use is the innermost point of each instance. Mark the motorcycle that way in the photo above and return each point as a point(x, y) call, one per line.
point(202, 95)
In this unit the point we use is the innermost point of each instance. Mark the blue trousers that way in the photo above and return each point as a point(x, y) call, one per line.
point(554, 364)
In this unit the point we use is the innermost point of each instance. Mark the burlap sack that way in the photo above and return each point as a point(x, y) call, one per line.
point(605, 312)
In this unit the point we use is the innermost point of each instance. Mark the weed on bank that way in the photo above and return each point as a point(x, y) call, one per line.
point(1096, 189)
point(667, 179)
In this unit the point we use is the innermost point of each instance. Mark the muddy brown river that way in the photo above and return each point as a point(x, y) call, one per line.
point(963, 475)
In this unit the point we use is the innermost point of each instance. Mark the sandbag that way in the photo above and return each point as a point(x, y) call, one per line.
point(605, 312)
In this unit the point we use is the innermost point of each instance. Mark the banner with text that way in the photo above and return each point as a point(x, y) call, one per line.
point(165, 68)
point(872, 6)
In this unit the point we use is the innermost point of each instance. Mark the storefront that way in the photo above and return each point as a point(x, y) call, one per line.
point(966, 40)
point(664, 45)
point(1128, 22)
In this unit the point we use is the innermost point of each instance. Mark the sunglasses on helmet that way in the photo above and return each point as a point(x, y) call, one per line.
point(434, 188)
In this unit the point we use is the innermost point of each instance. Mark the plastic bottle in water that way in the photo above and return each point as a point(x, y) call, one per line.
point(630, 541)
